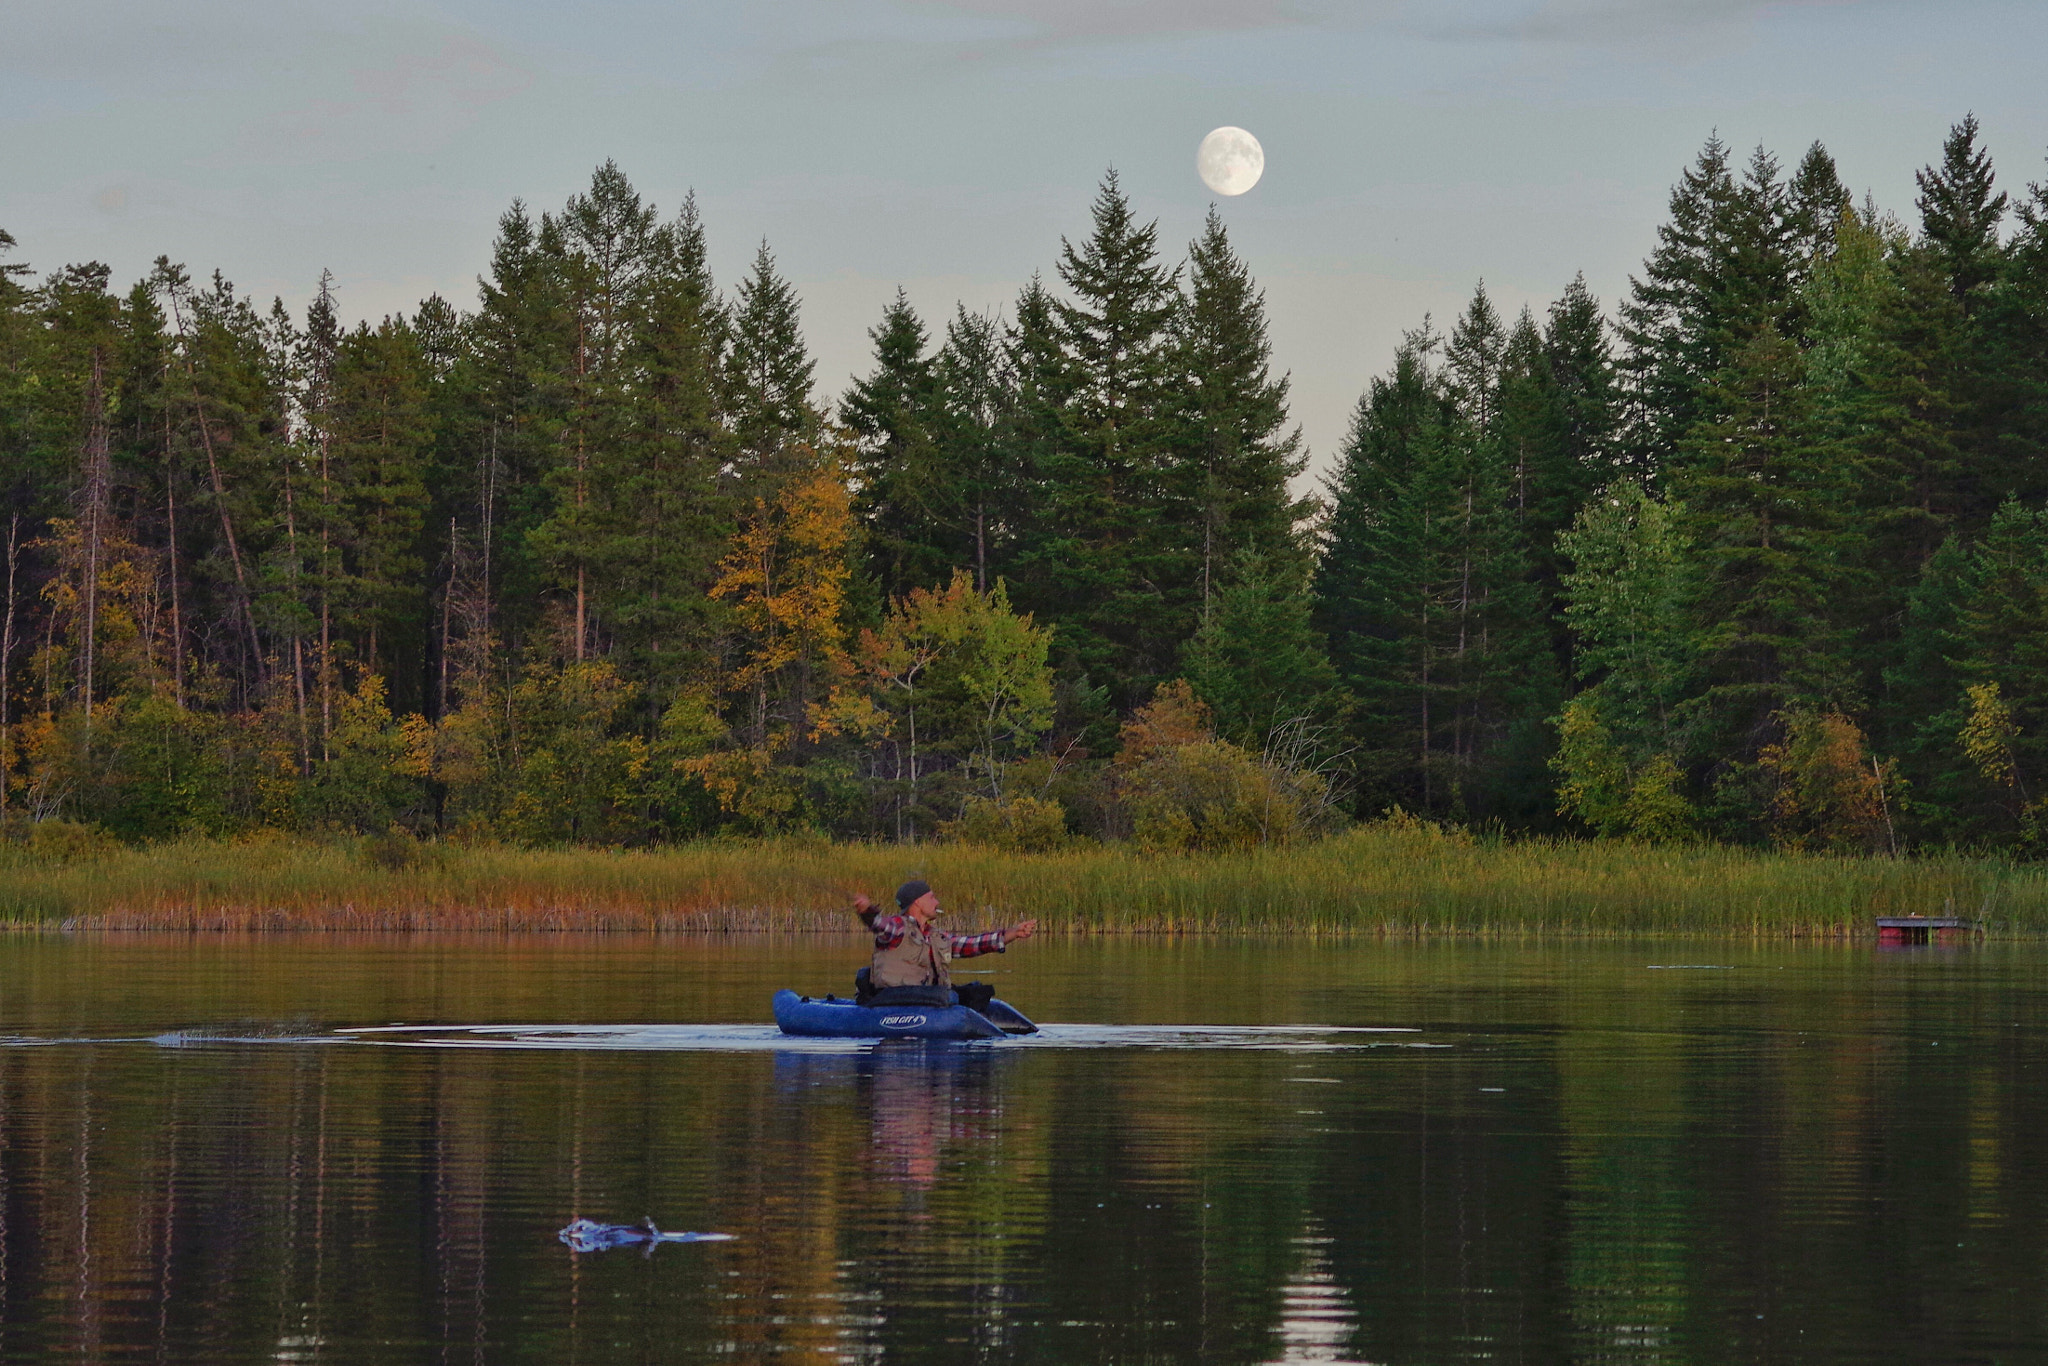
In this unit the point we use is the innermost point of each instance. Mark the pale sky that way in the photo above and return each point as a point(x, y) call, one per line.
point(1412, 147)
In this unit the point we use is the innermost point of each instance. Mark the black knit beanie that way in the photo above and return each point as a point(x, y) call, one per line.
point(911, 891)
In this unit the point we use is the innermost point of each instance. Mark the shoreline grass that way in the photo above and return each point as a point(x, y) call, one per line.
point(1371, 881)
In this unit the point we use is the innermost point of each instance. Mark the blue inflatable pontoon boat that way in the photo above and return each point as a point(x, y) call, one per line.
point(832, 1017)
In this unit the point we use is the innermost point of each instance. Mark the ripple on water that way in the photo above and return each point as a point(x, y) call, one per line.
point(738, 1038)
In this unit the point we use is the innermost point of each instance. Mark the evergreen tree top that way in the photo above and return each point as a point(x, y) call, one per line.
point(1959, 214)
point(1228, 354)
point(1124, 298)
point(1817, 200)
point(879, 406)
point(768, 368)
point(1473, 357)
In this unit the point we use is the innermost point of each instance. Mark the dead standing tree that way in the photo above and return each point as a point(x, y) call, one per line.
point(96, 476)
point(7, 659)
point(176, 286)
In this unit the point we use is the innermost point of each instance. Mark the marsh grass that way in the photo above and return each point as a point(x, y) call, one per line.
point(1374, 881)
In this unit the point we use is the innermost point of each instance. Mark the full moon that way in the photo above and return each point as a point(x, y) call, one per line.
point(1230, 161)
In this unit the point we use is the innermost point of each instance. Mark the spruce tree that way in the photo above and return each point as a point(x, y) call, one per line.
point(1723, 269)
point(1959, 214)
point(1584, 385)
point(1545, 485)
point(1425, 593)
point(977, 398)
point(1497, 648)
point(2002, 630)
point(667, 508)
point(2015, 353)
point(1258, 660)
point(767, 388)
point(1235, 453)
point(378, 467)
point(1922, 707)
point(1369, 585)
point(1762, 498)
point(1100, 563)
point(1815, 202)
point(1363, 583)
point(1472, 363)
point(521, 352)
point(1959, 248)
point(1672, 320)
point(903, 492)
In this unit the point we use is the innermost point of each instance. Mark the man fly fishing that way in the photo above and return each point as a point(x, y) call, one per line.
point(911, 953)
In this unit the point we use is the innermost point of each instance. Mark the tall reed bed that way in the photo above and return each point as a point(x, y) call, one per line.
point(1374, 880)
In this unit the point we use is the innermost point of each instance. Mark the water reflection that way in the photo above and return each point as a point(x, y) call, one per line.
point(1578, 1158)
point(1317, 1321)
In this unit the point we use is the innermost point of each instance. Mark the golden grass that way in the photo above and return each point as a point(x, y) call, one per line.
point(1373, 880)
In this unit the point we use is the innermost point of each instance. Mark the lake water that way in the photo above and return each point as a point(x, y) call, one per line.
point(1646, 1152)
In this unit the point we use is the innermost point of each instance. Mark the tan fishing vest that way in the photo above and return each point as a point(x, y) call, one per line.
point(918, 959)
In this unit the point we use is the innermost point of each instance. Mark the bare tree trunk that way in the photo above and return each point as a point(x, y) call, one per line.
point(171, 543)
point(291, 535)
point(326, 619)
point(490, 528)
point(914, 774)
point(1427, 794)
point(582, 467)
point(1208, 533)
point(227, 524)
point(7, 658)
point(447, 606)
point(227, 528)
point(92, 532)
point(980, 547)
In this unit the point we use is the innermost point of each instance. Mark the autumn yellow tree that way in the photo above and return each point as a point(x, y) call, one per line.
point(784, 578)
point(1830, 793)
point(1990, 738)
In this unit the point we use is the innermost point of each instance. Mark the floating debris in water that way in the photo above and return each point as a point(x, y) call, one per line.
point(587, 1235)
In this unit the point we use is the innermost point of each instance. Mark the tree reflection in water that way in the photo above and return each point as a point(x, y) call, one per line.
point(1592, 1161)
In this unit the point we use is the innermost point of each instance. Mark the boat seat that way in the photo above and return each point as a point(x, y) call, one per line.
point(899, 996)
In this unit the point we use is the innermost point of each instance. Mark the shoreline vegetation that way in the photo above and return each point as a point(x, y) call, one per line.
point(1377, 880)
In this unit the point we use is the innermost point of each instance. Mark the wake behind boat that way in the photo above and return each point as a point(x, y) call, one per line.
point(833, 1017)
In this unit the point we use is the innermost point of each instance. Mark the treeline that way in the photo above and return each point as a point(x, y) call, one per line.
point(1765, 558)
point(1769, 561)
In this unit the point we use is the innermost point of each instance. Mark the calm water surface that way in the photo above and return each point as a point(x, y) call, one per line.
point(1634, 1153)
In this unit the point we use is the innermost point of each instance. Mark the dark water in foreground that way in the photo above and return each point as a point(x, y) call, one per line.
point(1582, 1153)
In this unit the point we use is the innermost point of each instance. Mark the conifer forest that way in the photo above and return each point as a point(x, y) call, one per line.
point(1755, 554)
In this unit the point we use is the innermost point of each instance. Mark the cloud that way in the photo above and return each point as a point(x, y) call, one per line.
point(1608, 21)
point(464, 71)
point(412, 99)
point(1041, 21)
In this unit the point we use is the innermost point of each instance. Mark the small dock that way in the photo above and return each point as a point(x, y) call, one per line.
point(1922, 929)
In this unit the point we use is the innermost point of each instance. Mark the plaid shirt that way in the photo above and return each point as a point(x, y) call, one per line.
point(890, 929)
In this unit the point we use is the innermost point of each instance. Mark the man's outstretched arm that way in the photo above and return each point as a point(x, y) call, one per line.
point(991, 941)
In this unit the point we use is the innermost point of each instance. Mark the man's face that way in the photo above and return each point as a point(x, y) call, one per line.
point(924, 908)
